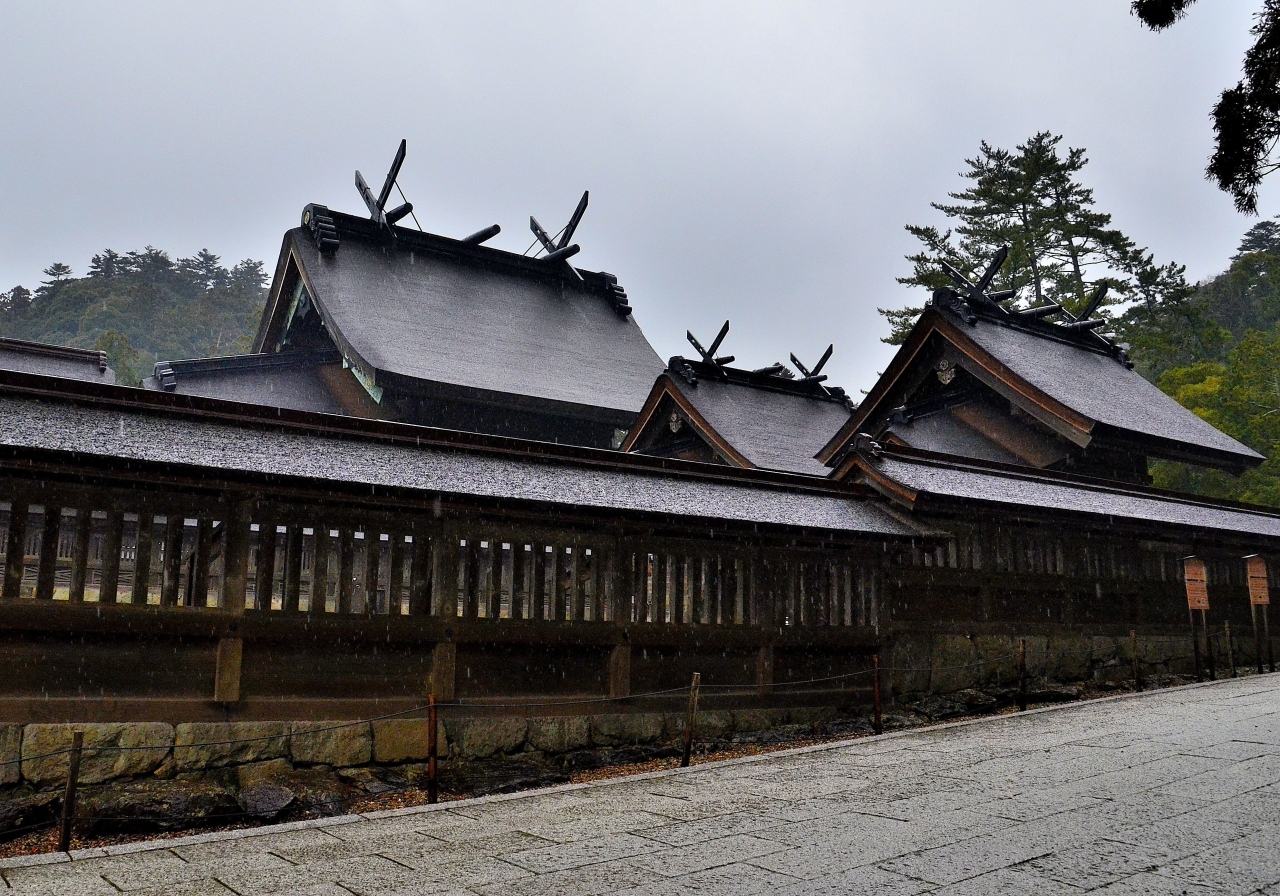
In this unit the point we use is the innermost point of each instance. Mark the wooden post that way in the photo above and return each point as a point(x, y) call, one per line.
point(395, 575)
point(420, 574)
point(1266, 634)
point(172, 574)
point(471, 592)
point(875, 691)
point(346, 568)
point(49, 535)
point(292, 569)
point(1257, 636)
point(80, 555)
point(444, 669)
point(142, 559)
point(69, 795)
point(265, 574)
point(320, 544)
point(1133, 654)
point(433, 734)
point(764, 668)
point(15, 557)
point(689, 718)
point(199, 590)
point(1022, 674)
point(1208, 646)
point(494, 592)
point(1195, 645)
point(372, 569)
point(226, 676)
point(620, 671)
point(235, 554)
point(112, 536)
point(1231, 648)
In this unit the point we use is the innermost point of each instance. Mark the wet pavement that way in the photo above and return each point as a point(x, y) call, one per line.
point(1174, 791)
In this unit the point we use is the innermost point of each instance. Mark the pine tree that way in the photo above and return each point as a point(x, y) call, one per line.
point(106, 265)
point(57, 272)
point(1261, 237)
point(1061, 248)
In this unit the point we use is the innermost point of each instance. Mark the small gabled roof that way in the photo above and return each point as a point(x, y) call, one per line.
point(1075, 388)
point(299, 380)
point(433, 312)
point(920, 481)
point(750, 418)
point(55, 360)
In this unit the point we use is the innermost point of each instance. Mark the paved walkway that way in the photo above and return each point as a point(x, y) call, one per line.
point(1171, 792)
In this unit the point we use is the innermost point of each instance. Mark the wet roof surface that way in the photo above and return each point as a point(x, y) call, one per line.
point(232, 447)
point(981, 485)
point(53, 360)
point(1099, 387)
point(773, 430)
point(426, 316)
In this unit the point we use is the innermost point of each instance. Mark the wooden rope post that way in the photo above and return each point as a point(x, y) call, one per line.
point(1208, 646)
point(1231, 649)
point(69, 795)
point(433, 729)
point(689, 719)
point(1133, 654)
point(875, 691)
point(1022, 674)
point(1257, 636)
point(1195, 645)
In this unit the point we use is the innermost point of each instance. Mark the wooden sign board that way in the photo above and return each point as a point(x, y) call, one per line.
point(1194, 574)
point(1259, 585)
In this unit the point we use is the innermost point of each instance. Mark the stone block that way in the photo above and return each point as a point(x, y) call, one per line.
point(147, 747)
point(811, 717)
point(205, 745)
point(481, 738)
point(745, 720)
point(999, 654)
point(258, 772)
point(622, 729)
point(10, 753)
point(909, 652)
point(560, 734)
point(1069, 658)
point(954, 664)
point(405, 740)
point(323, 743)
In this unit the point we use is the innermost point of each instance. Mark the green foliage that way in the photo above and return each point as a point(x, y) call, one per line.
point(121, 356)
point(141, 307)
point(1060, 247)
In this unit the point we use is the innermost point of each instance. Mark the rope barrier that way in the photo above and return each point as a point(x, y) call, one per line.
point(543, 703)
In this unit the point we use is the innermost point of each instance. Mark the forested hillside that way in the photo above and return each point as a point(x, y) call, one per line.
point(1215, 348)
point(141, 307)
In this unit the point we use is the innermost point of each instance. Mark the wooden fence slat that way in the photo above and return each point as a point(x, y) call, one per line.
point(372, 567)
point(346, 568)
point(50, 532)
point(173, 537)
point(395, 575)
point(292, 569)
point(112, 540)
point(198, 588)
point(142, 557)
point(15, 557)
point(80, 555)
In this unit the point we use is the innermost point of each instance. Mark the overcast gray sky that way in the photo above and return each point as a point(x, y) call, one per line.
point(749, 161)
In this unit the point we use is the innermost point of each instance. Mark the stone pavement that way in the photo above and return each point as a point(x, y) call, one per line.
point(1175, 791)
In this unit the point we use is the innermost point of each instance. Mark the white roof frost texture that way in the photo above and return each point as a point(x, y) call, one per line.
point(1099, 387)
point(959, 482)
point(419, 315)
point(224, 446)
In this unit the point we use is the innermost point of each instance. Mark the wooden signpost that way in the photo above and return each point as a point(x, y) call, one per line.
point(1195, 576)
point(1259, 600)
